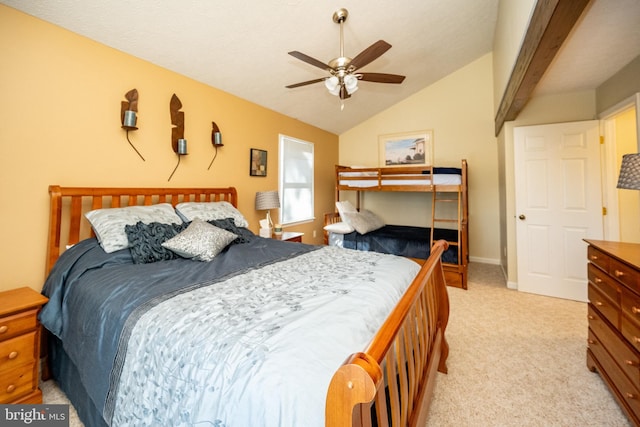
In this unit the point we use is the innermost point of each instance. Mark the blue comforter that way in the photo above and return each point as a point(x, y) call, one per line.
point(95, 298)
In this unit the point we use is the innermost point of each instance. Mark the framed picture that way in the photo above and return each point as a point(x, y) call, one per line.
point(258, 162)
point(406, 149)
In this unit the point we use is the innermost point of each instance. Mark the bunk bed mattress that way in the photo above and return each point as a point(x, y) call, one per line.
point(402, 240)
point(441, 176)
point(228, 342)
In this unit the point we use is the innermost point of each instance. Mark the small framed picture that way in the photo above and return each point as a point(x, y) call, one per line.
point(258, 162)
point(406, 149)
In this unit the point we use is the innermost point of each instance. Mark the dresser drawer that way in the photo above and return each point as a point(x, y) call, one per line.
point(18, 351)
point(16, 383)
point(607, 308)
point(624, 274)
point(604, 283)
point(620, 351)
point(17, 324)
point(598, 257)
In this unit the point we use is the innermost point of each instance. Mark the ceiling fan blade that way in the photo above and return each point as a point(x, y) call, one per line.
point(309, 60)
point(381, 78)
point(305, 83)
point(370, 54)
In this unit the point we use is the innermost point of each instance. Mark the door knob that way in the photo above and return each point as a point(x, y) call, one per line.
point(522, 217)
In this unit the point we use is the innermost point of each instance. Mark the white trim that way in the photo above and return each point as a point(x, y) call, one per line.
point(512, 285)
point(494, 261)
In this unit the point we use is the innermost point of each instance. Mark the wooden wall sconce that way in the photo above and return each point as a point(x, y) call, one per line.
point(178, 143)
point(128, 110)
point(216, 141)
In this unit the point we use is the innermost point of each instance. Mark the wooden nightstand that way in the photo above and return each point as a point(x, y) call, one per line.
point(289, 236)
point(20, 345)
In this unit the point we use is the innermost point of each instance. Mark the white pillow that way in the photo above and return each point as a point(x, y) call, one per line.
point(207, 211)
point(344, 207)
point(200, 241)
point(109, 223)
point(364, 221)
point(339, 228)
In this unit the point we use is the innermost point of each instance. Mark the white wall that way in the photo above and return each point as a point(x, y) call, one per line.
point(459, 110)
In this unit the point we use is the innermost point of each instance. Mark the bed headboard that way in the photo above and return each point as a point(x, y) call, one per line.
point(67, 224)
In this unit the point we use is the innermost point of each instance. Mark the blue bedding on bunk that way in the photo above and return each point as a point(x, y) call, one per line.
point(403, 240)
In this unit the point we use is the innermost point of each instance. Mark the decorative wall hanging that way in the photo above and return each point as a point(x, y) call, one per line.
point(216, 140)
point(178, 143)
point(406, 149)
point(258, 162)
point(128, 110)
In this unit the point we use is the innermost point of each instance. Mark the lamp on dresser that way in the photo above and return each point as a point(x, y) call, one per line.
point(629, 178)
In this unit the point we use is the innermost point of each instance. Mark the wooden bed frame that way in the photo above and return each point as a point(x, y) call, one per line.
point(418, 179)
point(395, 372)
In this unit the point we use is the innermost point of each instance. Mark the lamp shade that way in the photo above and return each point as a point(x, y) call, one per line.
point(630, 172)
point(267, 200)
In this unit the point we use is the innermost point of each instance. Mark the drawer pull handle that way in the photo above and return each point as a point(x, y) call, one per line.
point(594, 257)
point(11, 388)
point(598, 280)
point(598, 303)
point(630, 395)
point(591, 342)
point(590, 317)
point(618, 273)
point(3, 329)
point(13, 355)
point(636, 339)
point(635, 310)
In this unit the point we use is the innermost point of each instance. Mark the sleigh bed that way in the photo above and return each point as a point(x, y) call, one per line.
point(449, 217)
point(264, 332)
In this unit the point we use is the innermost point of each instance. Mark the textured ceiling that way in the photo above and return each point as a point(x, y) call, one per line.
point(241, 46)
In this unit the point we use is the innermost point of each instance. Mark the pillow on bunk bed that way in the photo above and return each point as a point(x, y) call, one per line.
point(345, 207)
point(339, 228)
point(364, 221)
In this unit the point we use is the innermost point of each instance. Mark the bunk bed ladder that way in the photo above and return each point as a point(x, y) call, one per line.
point(444, 198)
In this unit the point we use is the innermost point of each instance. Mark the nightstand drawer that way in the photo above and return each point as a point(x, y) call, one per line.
point(16, 383)
point(17, 351)
point(17, 324)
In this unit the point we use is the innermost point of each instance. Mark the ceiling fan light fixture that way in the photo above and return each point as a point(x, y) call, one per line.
point(351, 83)
point(333, 85)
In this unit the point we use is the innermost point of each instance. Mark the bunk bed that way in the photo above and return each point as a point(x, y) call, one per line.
point(446, 186)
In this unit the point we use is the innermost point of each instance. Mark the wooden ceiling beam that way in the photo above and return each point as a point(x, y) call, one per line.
point(550, 24)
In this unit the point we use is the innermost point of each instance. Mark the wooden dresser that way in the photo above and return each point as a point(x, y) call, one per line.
point(20, 345)
point(613, 345)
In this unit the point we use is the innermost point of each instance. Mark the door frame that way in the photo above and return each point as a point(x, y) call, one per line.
point(608, 162)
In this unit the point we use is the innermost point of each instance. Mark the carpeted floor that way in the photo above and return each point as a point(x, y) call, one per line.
point(515, 359)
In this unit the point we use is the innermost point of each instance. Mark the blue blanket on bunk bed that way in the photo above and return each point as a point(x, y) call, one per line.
point(403, 240)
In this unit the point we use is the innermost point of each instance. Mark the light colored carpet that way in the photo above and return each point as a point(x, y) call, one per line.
point(516, 359)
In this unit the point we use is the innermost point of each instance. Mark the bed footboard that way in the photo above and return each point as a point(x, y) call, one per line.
point(401, 362)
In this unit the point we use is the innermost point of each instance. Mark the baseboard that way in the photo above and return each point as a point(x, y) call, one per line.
point(512, 285)
point(493, 261)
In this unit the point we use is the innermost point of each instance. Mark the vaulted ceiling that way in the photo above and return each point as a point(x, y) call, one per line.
point(241, 46)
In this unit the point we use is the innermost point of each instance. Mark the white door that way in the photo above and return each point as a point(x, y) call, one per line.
point(558, 204)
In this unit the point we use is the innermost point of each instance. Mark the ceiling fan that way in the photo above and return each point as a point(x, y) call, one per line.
point(343, 80)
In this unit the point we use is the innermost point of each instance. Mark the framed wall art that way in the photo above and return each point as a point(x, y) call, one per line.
point(406, 149)
point(258, 162)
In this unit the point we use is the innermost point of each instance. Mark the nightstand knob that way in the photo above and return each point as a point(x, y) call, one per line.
point(13, 355)
point(11, 388)
point(3, 329)
point(618, 273)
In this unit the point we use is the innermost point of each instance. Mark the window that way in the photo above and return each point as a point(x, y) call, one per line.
point(295, 180)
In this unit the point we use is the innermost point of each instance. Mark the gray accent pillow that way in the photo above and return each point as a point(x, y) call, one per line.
point(201, 241)
point(109, 223)
point(208, 211)
point(364, 221)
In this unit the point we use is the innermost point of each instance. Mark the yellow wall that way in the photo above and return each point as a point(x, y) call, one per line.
point(458, 109)
point(61, 125)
